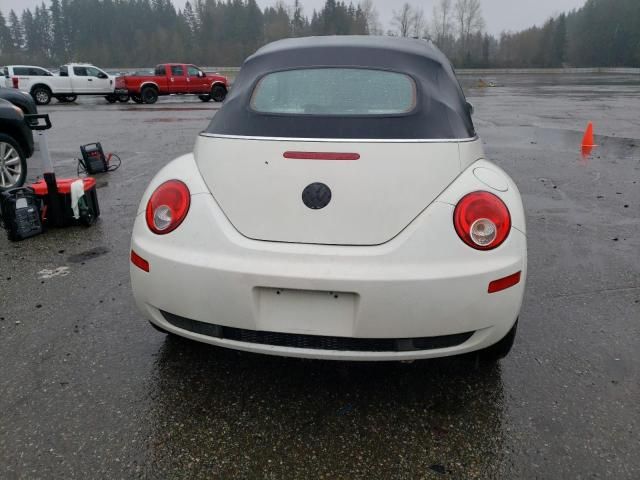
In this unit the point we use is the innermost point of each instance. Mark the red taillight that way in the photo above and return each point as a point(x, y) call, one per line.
point(168, 207)
point(504, 283)
point(321, 156)
point(482, 220)
point(15, 82)
point(139, 262)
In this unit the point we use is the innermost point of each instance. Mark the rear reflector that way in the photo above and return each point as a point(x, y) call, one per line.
point(15, 81)
point(504, 283)
point(321, 156)
point(139, 262)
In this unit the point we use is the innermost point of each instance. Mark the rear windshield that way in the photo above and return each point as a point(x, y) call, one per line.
point(335, 92)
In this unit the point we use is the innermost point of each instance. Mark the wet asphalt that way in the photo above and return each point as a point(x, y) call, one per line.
point(89, 391)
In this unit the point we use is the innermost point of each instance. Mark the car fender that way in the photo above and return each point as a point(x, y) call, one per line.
point(149, 84)
point(486, 176)
point(41, 84)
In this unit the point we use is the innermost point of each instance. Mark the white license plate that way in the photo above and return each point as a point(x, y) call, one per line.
point(306, 312)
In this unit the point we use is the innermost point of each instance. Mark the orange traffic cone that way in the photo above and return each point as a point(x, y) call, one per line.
point(588, 139)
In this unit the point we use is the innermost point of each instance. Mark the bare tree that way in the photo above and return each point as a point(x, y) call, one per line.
point(403, 20)
point(372, 18)
point(442, 21)
point(419, 24)
point(468, 14)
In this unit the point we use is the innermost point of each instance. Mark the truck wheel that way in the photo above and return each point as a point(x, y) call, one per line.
point(136, 98)
point(149, 95)
point(218, 93)
point(123, 98)
point(111, 98)
point(41, 94)
point(13, 163)
point(205, 98)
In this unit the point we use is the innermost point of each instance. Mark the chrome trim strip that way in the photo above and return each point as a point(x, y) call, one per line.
point(342, 140)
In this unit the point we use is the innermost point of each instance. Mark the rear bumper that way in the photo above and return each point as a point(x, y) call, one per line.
point(425, 283)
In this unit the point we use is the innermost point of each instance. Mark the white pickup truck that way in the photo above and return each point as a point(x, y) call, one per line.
point(74, 79)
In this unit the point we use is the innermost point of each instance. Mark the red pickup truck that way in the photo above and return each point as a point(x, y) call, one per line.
point(173, 78)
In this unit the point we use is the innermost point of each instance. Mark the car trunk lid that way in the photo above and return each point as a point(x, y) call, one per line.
point(324, 192)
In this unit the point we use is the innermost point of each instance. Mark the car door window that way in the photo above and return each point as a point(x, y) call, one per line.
point(64, 71)
point(20, 71)
point(193, 71)
point(80, 71)
point(177, 70)
point(93, 72)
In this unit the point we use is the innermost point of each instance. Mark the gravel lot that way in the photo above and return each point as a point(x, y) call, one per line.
point(88, 390)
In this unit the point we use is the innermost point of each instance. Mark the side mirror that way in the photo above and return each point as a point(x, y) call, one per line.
point(470, 108)
point(201, 74)
point(103, 75)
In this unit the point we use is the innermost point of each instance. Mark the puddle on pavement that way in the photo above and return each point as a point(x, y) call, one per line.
point(607, 148)
point(327, 407)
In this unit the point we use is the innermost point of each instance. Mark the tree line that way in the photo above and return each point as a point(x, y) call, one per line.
point(121, 33)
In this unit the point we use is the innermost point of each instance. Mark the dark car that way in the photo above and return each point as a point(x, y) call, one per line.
point(16, 145)
point(20, 99)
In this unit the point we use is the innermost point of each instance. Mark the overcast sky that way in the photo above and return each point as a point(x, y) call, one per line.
point(500, 15)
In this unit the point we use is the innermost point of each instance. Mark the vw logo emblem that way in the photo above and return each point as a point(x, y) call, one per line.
point(316, 196)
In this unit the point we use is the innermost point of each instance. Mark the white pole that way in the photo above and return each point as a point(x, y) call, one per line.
point(45, 157)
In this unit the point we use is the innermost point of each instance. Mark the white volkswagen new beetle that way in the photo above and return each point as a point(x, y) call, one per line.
point(339, 206)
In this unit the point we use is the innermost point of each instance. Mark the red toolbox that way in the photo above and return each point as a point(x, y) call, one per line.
point(88, 206)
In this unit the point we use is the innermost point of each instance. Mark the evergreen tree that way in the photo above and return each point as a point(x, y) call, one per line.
point(277, 24)
point(30, 32)
point(219, 32)
point(42, 25)
point(16, 31)
point(58, 48)
point(299, 24)
point(6, 43)
point(190, 18)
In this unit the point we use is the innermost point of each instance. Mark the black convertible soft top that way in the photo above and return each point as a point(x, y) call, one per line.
point(441, 111)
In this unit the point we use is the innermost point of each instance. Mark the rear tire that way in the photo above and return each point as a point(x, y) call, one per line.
point(41, 94)
point(149, 95)
point(13, 169)
point(500, 350)
point(111, 98)
point(205, 98)
point(218, 93)
point(123, 98)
